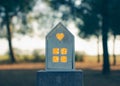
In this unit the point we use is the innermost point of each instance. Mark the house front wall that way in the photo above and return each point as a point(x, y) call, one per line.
point(60, 50)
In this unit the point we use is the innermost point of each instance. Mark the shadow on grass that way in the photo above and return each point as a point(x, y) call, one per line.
point(28, 78)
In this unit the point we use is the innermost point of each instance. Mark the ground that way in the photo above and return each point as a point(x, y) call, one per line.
point(25, 74)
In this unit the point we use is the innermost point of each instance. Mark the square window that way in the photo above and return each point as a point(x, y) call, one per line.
point(55, 51)
point(63, 51)
point(63, 59)
point(55, 59)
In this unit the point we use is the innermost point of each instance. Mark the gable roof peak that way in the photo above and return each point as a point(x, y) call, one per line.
point(59, 26)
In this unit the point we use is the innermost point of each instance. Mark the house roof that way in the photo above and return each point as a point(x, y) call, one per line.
point(60, 26)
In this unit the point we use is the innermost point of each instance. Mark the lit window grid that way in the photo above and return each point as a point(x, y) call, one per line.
point(55, 59)
point(63, 51)
point(63, 59)
point(55, 51)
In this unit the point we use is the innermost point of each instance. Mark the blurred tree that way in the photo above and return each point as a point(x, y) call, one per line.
point(24, 25)
point(93, 8)
point(114, 14)
point(110, 12)
point(114, 56)
point(100, 7)
point(87, 28)
point(90, 28)
point(10, 8)
point(91, 13)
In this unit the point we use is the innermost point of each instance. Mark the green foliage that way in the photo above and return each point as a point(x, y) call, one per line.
point(114, 15)
point(41, 58)
point(38, 57)
point(2, 33)
point(17, 5)
point(4, 59)
point(91, 13)
point(14, 7)
point(79, 57)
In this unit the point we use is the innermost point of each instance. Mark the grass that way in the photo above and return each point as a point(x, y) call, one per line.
point(18, 78)
point(28, 78)
point(95, 78)
point(24, 74)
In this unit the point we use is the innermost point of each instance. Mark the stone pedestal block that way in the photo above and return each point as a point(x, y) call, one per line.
point(60, 78)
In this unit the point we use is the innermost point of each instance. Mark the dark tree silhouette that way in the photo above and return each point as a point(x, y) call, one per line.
point(100, 7)
point(90, 28)
point(114, 14)
point(114, 56)
point(110, 13)
point(109, 10)
point(95, 7)
point(11, 8)
point(105, 29)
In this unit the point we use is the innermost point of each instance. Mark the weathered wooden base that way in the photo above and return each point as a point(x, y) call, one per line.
point(59, 78)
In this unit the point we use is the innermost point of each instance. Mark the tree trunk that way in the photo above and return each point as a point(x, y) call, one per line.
point(106, 65)
point(11, 54)
point(98, 56)
point(114, 56)
point(105, 29)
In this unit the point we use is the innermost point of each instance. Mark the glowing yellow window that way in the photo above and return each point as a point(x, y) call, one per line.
point(55, 59)
point(63, 59)
point(55, 50)
point(63, 50)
